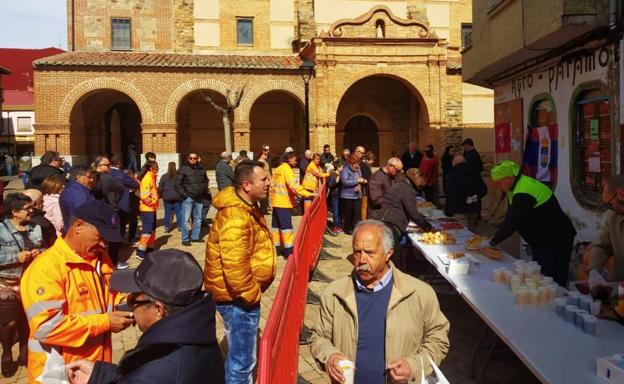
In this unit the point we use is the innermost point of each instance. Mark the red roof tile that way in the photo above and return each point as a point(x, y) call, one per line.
point(153, 59)
point(13, 97)
point(20, 63)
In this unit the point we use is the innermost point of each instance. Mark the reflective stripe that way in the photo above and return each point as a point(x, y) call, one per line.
point(283, 193)
point(284, 231)
point(89, 313)
point(36, 347)
point(40, 306)
point(109, 308)
point(46, 327)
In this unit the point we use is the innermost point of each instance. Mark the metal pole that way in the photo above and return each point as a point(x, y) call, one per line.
point(307, 114)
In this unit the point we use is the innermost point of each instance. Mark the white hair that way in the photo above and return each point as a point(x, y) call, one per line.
point(387, 238)
point(226, 154)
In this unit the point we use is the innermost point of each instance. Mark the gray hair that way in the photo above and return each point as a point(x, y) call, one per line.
point(387, 238)
point(226, 155)
point(395, 162)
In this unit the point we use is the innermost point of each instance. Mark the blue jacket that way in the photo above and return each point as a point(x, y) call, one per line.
point(129, 183)
point(74, 195)
point(9, 248)
point(181, 348)
point(348, 182)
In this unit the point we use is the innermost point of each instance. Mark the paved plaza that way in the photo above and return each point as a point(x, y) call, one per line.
point(466, 326)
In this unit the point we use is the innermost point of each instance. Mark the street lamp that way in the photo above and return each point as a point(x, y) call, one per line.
point(307, 71)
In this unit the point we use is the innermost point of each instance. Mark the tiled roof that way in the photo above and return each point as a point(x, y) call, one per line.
point(141, 59)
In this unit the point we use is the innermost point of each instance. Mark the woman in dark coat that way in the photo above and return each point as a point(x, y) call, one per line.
point(465, 191)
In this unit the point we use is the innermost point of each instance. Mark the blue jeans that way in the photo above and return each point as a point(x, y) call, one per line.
point(335, 208)
point(174, 207)
point(195, 207)
point(241, 330)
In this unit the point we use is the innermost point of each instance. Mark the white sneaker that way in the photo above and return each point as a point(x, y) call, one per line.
point(122, 265)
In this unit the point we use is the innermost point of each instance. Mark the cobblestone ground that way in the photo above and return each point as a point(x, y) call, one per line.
point(466, 326)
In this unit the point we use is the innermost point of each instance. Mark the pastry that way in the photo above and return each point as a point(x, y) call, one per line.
point(438, 238)
point(456, 255)
point(493, 253)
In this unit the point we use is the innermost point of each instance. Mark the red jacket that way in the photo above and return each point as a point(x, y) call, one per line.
point(429, 167)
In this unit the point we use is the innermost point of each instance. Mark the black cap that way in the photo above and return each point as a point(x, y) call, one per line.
point(171, 276)
point(102, 216)
point(468, 141)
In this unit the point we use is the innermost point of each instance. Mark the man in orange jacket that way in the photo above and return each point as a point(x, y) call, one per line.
point(65, 293)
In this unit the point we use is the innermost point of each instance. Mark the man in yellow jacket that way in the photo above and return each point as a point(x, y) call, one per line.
point(65, 293)
point(240, 265)
point(285, 189)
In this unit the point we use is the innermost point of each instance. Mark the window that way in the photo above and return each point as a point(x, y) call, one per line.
point(591, 151)
point(24, 125)
point(466, 36)
point(121, 39)
point(244, 31)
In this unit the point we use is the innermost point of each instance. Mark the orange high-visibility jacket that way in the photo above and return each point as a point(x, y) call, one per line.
point(285, 187)
point(149, 193)
point(67, 300)
point(310, 182)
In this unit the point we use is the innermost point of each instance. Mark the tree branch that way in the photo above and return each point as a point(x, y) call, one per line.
point(214, 105)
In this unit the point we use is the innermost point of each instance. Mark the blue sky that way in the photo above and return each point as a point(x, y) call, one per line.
point(33, 23)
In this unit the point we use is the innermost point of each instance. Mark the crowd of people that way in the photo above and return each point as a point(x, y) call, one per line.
point(65, 285)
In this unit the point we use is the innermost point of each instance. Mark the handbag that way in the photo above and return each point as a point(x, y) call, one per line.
point(437, 377)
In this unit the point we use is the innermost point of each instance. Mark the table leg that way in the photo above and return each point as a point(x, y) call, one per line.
point(487, 358)
point(473, 365)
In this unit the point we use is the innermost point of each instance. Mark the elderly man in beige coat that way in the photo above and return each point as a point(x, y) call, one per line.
point(386, 322)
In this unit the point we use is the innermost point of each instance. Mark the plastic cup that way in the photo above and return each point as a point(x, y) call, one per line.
point(498, 275)
point(522, 296)
point(547, 280)
point(585, 302)
point(534, 296)
point(531, 284)
point(595, 307)
point(570, 313)
point(552, 291)
point(589, 324)
point(515, 283)
point(573, 298)
point(543, 294)
point(578, 317)
point(560, 304)
point(348, 370)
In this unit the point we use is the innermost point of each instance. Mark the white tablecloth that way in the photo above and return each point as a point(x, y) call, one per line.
point(554, 350)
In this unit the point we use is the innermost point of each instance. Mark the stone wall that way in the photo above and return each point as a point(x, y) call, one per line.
point(183, 22)
point(306, 24)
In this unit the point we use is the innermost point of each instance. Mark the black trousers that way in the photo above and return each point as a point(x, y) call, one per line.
point(351, 212)
point(130, 220)
point(555, 259)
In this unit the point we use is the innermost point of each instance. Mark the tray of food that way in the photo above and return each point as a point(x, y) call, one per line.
point(446, 225)
point(474, 243)
point(445, 258)
point(492, 253)
point(437, 238)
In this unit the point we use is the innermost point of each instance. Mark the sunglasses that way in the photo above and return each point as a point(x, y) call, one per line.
point(134, 302)
point(609, 204)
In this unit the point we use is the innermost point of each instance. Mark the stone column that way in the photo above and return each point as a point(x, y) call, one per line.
point(242, 136)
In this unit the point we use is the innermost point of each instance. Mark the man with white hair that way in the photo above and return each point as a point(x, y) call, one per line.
point(388, 323)
point(379, 184)
point(224, 172)
point(303, 164)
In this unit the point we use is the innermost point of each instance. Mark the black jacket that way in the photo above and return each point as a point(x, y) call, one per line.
point(166, 189)
point(40, 172)
point(48, 231)
point(461, 184)
point(109, 189)
point(409, 162)
point(539, 226)
point(191, 182)
point(181, 348)
point(225, 175)
point(378, 185)
point(399, 206)
point(473, 159)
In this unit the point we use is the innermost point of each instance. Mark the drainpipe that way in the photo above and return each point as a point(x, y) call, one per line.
point(73, 27)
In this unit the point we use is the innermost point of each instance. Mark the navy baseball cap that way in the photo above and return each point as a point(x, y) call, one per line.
point(102, 216)
point(171, 276)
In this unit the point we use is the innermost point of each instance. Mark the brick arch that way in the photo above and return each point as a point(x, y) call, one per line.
point(103, 83)
point(252, 94)
point(187, 87)
point(365, 74)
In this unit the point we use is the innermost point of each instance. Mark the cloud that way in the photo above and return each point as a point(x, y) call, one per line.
point(34, 24)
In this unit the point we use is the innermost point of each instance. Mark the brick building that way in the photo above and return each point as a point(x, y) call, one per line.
point(139, 71)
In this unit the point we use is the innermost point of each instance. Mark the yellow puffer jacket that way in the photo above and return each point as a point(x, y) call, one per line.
point(240, 256)
point(284, 187)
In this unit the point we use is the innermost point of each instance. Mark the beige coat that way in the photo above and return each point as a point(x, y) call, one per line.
point(415, 326)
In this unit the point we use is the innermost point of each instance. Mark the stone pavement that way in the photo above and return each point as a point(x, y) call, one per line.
point(466, 326)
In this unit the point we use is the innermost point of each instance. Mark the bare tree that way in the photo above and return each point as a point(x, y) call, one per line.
point(232, 99)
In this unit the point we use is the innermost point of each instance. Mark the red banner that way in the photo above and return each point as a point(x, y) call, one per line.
point(502, 137)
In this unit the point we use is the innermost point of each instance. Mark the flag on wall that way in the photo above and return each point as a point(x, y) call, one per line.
point(502, 133)
point(540, 154)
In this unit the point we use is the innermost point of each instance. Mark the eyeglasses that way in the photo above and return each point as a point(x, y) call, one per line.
point(134, 303)
point(609, 204)
point(192, 158)
point(27, 209)
point(266, 149)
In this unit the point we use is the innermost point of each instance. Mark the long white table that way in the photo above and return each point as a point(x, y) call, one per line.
point(555, 351)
